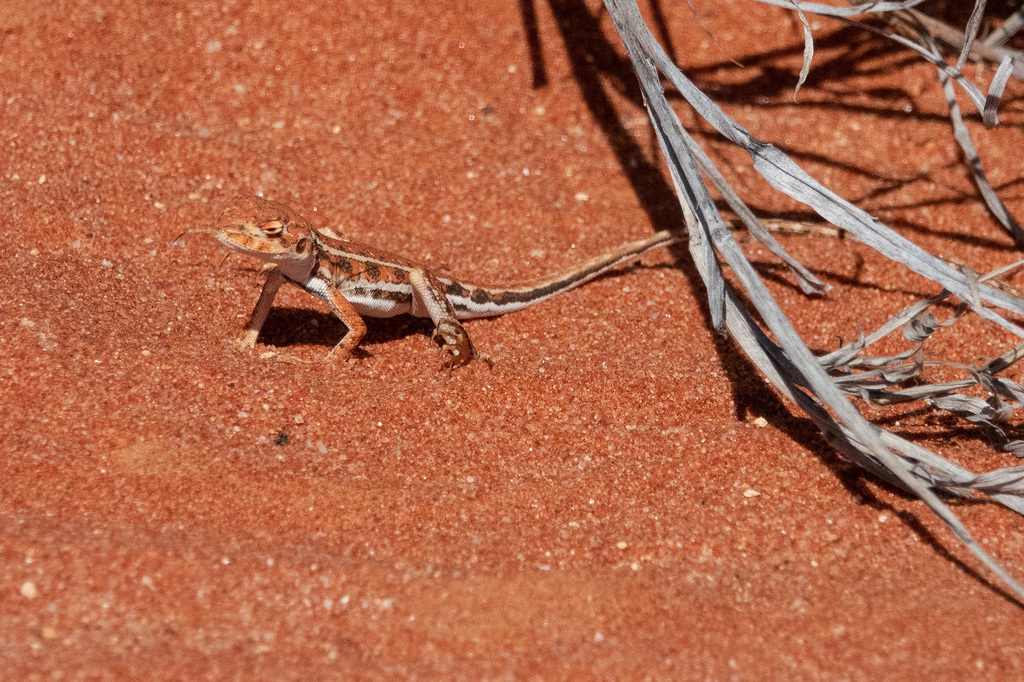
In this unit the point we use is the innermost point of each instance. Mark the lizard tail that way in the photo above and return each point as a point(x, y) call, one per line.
point(471, 301)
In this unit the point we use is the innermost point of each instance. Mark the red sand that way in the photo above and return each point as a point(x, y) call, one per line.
point(171, 508)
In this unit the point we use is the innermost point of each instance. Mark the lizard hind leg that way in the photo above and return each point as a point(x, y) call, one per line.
point(429, 300)
point(455, 343)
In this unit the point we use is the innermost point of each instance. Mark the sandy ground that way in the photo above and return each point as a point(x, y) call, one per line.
point(604, 502)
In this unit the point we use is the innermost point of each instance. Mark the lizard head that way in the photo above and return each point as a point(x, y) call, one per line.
point(265, 229)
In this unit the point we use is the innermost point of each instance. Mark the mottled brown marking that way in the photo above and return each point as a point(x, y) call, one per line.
point(456, 289)
point(344, 266)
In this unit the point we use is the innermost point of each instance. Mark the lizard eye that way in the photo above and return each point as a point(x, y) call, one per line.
point(275, 228)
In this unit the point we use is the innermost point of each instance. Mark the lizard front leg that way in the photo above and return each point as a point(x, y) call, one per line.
point(428, 296)
point(259, 314)
point(343, 308)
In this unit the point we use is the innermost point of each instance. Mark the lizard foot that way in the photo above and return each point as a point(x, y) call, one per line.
point(340, 351)
point(246, 341)
point(455, 344)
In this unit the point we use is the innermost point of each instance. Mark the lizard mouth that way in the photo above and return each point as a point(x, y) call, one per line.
point(249, 239)
point(294, 256)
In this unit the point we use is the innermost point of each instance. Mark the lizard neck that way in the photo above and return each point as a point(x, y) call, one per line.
point(299, 269)
point(296, 267)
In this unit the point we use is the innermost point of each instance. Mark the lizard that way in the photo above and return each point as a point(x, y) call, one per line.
point(356, 280)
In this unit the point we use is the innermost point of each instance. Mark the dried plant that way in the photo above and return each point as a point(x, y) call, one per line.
point(822, 386)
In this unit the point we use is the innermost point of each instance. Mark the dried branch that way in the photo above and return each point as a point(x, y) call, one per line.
point(820, 386)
